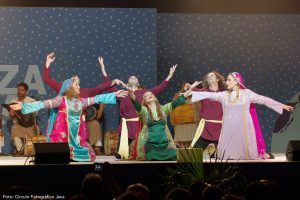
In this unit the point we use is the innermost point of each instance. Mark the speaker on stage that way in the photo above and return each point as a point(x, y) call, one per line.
point(293, 150)
point(51, 153)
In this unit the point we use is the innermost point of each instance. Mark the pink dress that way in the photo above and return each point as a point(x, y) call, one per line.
point(238, 137)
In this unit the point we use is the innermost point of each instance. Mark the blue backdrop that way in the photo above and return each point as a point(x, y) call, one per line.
point(126, 38)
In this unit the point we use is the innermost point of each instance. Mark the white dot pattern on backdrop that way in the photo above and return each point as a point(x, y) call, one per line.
point(264, 48)
point(126, 38)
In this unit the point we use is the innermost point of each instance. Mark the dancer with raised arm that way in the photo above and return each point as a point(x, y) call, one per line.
point(66, 123)
point(128, 127)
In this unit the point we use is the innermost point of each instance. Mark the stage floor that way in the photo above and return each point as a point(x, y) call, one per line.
point(10, 160)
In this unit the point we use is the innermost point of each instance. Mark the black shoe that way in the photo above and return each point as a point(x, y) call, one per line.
point(118, 156)
point(271, 155)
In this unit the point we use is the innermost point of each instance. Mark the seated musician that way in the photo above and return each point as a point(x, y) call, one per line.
point(23, 124)
point(94, 117)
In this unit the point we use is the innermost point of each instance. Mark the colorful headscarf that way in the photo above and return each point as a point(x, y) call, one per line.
point(66, 85)
point(261, 147)
point(239, 78)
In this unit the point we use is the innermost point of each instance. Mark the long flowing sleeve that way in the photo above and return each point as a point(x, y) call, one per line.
point(38, 105)
point(90, 92)
point(109, 98)
point(142, 110)
point(169, 106)
point(51, 82)
point(217, 96)
point(270, 103)
point(158, 89)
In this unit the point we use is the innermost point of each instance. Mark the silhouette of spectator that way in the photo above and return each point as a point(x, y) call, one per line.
point(138, 187)
point(212, 192)
point(179, 194)
point(132, 195)
point(261, 190)
point(92, 186)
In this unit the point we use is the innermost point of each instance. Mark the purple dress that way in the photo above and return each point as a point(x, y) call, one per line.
point(238, 138)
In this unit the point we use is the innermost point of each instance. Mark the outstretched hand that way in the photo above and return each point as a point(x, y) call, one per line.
point(16, 106)
point(188, 92)
point(50, 59)
point(288, 108)
point(187, 86)
point(121, 93)
point(195, 84)
point(172, 71)
point(119, 82)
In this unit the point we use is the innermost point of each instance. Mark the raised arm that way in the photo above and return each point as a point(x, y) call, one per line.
point(55, 85)
point(270, 103)
point(105, 76)
point(158, 89)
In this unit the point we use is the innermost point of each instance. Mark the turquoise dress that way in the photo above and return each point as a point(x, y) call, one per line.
point(155, 141)
point(69, 125)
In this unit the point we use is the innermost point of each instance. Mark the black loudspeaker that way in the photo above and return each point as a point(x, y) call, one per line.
point(293, 150)
point(51, 153)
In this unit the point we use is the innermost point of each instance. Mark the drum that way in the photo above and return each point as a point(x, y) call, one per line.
point(26, 120)
point(184, 114)
point(30, 140)
point(91, 113)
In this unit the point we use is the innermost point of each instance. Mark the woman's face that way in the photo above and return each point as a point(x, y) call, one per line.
point(230, 82)
point(76, 86)
point(149, 97)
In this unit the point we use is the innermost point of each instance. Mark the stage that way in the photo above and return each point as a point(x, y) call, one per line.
point(17, 161)
point(65, 179)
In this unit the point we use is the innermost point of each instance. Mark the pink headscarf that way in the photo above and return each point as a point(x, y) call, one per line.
point(261, 147)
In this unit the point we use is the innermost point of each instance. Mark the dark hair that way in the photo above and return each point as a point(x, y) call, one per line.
point(92, 186)
point(212, 192)
point(262, 189)
point(138, 187)
point(24, 85)
point(180, 194)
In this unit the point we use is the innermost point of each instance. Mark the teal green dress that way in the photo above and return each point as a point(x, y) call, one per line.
point(155, 141)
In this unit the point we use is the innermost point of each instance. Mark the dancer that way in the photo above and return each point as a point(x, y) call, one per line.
point(66, 118)
point(238, 138)
point(154, 142)
point(211, 113)
point(94, 130)
point(128, 127)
